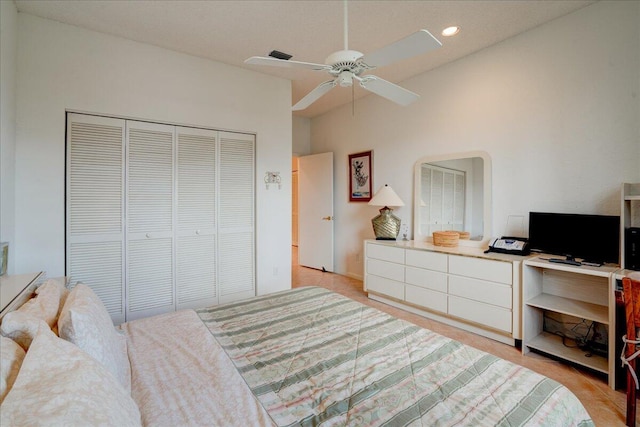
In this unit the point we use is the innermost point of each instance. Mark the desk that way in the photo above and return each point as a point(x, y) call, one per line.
point(16, 289)
point(582, 292)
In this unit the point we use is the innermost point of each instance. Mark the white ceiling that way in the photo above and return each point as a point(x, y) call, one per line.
point(232, 31)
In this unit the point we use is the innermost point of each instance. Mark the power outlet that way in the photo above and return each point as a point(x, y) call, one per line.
point(275, 270)
point(358, 257)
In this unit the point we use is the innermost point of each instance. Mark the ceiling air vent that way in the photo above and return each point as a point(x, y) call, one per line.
point(280, 55)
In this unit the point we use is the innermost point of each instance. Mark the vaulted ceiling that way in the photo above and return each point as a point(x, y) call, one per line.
point(232, 31)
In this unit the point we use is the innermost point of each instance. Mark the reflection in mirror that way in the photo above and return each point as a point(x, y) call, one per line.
point(453, 192)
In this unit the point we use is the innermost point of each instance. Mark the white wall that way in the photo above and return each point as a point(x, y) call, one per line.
point(557, 108)
point(301, 136)
point(61, 67)
point(8, 54)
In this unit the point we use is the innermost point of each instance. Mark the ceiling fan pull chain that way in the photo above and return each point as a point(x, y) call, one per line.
point(353, 100)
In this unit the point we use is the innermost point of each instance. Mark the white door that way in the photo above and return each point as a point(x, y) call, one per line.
point(95, 208)
point(294, 202)
point(150, 219)
point(315, 211)
point(159, 217)
point(236, 220)
point(196, 258)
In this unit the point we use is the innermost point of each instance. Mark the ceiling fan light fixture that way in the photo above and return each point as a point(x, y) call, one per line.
point(345, 79)
point(451, 31)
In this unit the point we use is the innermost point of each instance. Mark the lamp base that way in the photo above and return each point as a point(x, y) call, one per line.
point(386, 226)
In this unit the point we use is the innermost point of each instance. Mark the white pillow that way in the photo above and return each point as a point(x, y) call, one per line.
point(85, 322)
point(59, 384)
point(46, 304)
point(60, 285)
point(11, 356)
point(20, 326)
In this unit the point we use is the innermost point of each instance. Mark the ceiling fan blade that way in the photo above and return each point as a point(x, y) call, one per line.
point(314, 95)
point(274, 62)
point(415, 44)
point(387, 90)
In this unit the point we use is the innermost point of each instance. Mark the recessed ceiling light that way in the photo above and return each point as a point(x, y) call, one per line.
point(450, 31)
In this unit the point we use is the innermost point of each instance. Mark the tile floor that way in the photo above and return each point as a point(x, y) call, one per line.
point(606, 407)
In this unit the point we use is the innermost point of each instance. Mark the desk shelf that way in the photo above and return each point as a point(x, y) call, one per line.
point(553, 345)
point(572, 307)
point(578, 291)
point(629, 217)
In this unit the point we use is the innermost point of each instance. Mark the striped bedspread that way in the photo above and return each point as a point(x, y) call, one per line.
point(313, 357)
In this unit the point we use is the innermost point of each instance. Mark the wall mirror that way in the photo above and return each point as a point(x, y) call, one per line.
point(453, 192)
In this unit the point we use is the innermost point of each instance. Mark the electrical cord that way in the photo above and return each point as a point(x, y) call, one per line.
point(581, 339)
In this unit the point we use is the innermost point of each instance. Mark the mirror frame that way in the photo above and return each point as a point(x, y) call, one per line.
point(486, 209)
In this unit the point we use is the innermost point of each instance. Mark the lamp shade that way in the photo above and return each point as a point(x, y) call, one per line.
point(385, 196)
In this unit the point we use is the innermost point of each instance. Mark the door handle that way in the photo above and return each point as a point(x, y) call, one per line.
point(327, 218)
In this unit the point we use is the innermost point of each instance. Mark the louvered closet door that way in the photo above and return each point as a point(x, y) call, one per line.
point(445, 208)
point(196, 240)
point(236, 216)
point(95, 208)
point(425, 202)
point(150, 219)
point(458, 201)
point(437, 200)
point(453, 199)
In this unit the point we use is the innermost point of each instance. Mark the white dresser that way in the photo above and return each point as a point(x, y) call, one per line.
point(460, 286)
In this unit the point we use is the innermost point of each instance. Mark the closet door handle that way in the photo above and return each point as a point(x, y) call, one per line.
point(147, 235)
point(327, 218)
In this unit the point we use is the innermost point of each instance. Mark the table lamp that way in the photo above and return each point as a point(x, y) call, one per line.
point(386, 225)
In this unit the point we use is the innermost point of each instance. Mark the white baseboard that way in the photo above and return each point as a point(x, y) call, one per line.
point(355, 276)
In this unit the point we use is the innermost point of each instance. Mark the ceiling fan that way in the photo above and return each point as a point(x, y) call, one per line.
point(346, 65)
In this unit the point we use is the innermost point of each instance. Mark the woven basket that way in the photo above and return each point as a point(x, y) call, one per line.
point(463, 235)
point(446, 238)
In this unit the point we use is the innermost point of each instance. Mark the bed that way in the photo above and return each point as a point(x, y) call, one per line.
point(302, 357)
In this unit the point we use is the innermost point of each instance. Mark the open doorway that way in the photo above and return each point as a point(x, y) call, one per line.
point(312, 215)
point(315, 211)
point(294, 202)
point(294, 211)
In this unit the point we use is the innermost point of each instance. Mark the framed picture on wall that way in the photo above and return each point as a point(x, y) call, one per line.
point(360, 176)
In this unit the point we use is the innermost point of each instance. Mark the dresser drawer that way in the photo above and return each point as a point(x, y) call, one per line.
point(485, 269)
point(385, 253)
point(385, 286)
point(481, 313)
point(426, 298)
point(481, 290)
point(385, 269)
point(424, 259)
point(427, 279)
point(464, 288)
